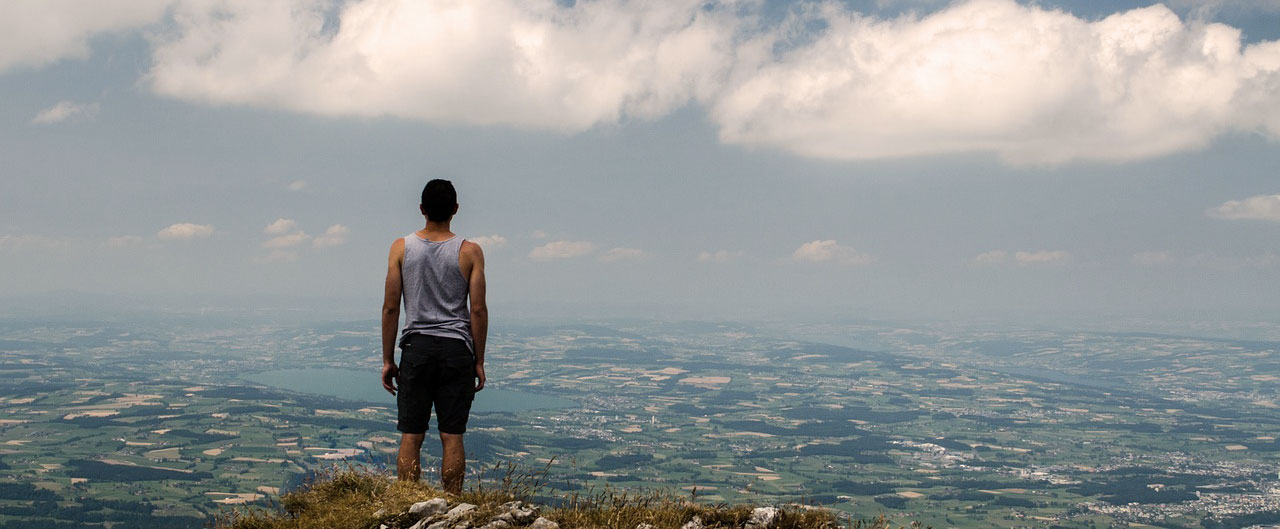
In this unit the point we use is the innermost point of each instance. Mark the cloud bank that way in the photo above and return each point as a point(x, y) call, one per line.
point(1029, 84)
point(523, 63)
point(1033, 85)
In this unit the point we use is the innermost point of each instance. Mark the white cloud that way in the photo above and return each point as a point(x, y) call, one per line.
point(490, 242)
point(125, 241)
point(287, 241)
point(1041, 257)
point(1259, 207)
point(539, 234)
point(1152, 258)
point(1031, 84)
point(297, 185)
point(63, 111)
point(288, 238)
point(335, 235)
point(990, 258)
point(289, 235)
point(185, 230)
point(524, 63)
point(39, 32)
point(280, 227)
point(621, 254)
point(718, 256)
point(829, 251)
point(561, 250)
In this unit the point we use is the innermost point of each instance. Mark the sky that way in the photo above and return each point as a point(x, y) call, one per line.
point(655, 159)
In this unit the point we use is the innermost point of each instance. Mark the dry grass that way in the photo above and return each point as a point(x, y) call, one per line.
point(350, 498)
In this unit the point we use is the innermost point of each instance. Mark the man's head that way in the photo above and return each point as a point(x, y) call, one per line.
point(439, 200)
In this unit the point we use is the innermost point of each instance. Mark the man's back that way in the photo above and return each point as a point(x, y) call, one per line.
point(435, 289)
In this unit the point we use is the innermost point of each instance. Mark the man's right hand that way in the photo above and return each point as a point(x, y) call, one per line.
point(389, 375)
point(479, 377)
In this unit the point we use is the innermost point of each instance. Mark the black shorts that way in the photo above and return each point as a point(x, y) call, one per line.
point(435, 371)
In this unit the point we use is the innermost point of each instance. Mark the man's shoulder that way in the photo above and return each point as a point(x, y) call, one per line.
point(470, 247)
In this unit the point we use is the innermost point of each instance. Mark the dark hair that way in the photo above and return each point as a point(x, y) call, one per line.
point(438, 200)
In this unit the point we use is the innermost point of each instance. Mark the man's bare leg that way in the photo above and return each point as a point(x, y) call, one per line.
point(408, 462)
point(453, 463)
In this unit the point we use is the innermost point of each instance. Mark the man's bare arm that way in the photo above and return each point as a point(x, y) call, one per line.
point(391, 316)
point(479, 309)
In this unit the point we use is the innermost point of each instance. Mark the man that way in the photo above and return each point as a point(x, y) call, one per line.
point(442, 346)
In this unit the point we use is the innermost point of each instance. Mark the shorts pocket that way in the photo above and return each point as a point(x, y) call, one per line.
point(459, 366)
point(461, 373)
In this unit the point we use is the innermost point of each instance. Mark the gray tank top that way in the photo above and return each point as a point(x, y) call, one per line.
point(435, 293)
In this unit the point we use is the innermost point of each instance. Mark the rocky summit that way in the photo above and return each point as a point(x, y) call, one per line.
point(352, 499)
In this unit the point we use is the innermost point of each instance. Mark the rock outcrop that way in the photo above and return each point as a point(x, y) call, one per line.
point(437, 513)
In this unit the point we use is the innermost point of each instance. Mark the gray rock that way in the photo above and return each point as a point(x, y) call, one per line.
point(506, 518)
point(463, 524)
point(763, 517)
point(379, 513)
point(643, 525)
point(442, 524)
point(523, 516)
point(497, 524)
point(430, 507)
point(543, 523)
point(459, 510)
point(695, 523)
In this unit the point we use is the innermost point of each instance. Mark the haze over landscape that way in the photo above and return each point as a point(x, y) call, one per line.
point(976, 263)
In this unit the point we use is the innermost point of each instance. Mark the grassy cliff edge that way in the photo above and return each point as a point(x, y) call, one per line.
point(360, 499)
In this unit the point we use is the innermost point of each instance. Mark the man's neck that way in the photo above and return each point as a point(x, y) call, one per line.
point(437, 230)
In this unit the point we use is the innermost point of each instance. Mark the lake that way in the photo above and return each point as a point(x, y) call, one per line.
point(363, 386)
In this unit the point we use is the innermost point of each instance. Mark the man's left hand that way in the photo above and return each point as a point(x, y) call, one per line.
point(389, 374)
